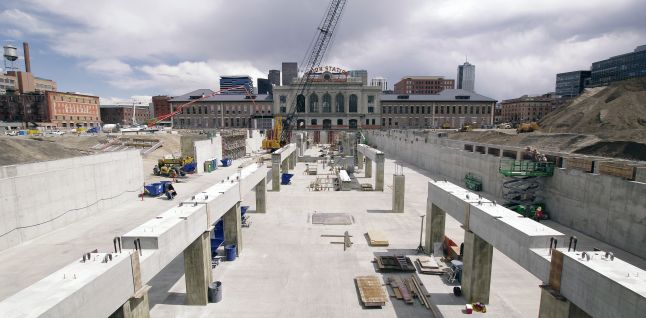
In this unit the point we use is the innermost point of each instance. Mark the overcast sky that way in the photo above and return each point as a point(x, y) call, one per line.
point(118, 49)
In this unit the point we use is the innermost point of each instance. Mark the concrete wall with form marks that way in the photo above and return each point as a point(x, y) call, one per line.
point(607, 208)
point(41, 197)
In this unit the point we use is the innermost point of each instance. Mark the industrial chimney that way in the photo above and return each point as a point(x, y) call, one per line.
point(25, 48)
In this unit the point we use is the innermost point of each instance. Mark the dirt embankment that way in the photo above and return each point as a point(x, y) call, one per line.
point(604, 121)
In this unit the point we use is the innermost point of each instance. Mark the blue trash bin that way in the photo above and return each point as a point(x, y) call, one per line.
point(285, 178)
point(230, 251)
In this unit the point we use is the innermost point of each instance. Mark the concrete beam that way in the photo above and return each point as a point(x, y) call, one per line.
point(369, 152)
point(65, 293)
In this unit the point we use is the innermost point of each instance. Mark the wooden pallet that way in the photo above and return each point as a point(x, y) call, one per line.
point(370, 291)
point(394, 263)
point(376, 238)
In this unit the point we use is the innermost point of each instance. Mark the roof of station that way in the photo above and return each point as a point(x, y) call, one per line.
point(445, 95)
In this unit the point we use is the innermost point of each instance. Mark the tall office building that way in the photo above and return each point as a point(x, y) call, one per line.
point(362, 74)
point(274, 77)
point(571, 84)
point(227, 82)
point(290, 72)
point(467, 77)
point(264, 86)
point(619, 67)
point(380, 82)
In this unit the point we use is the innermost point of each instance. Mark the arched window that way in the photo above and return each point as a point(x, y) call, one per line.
point(339, 122)
point(300, 103)
point(353, 103)
point(340, 108)
point(314, 103)
point(327, 124)
point(327, 103)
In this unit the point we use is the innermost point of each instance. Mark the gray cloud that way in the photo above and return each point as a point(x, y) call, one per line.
point(517, 46)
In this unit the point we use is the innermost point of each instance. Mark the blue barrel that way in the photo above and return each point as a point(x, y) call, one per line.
point(230, 251)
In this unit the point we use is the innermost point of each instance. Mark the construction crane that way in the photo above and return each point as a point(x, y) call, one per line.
point(313, 59)
point(179, 109)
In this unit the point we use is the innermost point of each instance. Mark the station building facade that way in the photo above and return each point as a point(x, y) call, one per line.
point(333, 101)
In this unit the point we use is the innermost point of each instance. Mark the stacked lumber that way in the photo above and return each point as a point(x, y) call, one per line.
point(370, 291)
point(376, 238)
point(579, 164)
point(428, 265)
point(617, 169)
point(412, 287)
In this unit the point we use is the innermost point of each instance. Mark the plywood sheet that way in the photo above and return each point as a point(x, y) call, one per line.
point(371, 292)
point(377, 238)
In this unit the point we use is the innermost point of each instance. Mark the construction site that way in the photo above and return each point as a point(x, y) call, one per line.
point(353, 222)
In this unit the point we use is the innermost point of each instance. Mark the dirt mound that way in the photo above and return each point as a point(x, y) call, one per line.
point(621, 149)
point(19, 150)
point(614, 112)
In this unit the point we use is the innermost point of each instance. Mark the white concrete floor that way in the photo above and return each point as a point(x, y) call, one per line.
point(27, 263)
point(287, 269)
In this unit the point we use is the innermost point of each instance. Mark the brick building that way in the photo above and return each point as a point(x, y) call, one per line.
point(423, 85)
point(161, 106)
point(451, 108)
point(222, 111)
point(30, 107)
point(67, 110)
point(526, 108)
point(122, 114)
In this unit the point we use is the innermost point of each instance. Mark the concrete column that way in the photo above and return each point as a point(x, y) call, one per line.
point(275, 172)
point(359, 160)
point(284, 166)
point(554, 305)
point(233, 227)
point(197, 270)
point(399, 186)
point(476, 275)
point(134, 308)
point(368, 171)
point(435, 225)
point(379, 182)
point(261, 196)
point(292, 161)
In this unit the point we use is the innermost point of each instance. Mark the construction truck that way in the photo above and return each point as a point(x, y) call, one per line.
point(174, 167)
point(527, 127)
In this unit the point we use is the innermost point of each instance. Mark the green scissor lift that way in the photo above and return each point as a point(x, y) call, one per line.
point(472, 182)
point(524, 184)
point(526, 168)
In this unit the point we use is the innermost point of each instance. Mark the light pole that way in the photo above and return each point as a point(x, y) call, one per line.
point(420, 248)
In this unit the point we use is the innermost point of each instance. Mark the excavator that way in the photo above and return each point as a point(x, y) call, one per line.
point(313, 58)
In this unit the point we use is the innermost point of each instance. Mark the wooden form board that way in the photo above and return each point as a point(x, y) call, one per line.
point(579, 164)
point(617, 169)
point(371, 292)
point(377, 238)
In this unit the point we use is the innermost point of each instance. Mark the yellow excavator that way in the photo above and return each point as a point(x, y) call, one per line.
point(272, 142)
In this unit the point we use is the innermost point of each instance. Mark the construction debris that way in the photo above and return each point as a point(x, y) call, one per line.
point(370, 291)
point(347, 243)
point(377, 238)
point(428, 265)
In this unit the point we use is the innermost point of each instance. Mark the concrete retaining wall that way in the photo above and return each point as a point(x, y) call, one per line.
point(207, 149)
point(254, 141)
point(37, 198)
point(607, 208)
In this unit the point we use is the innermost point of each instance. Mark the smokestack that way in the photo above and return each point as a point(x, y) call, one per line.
point(25, 48)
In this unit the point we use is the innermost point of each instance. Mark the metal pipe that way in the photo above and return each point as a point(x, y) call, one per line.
point(575, 241)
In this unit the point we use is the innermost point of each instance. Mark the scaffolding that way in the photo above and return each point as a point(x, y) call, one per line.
point(234, 143)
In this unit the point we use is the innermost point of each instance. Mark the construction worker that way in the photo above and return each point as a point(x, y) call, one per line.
point(538, 215)
point(170, 191)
